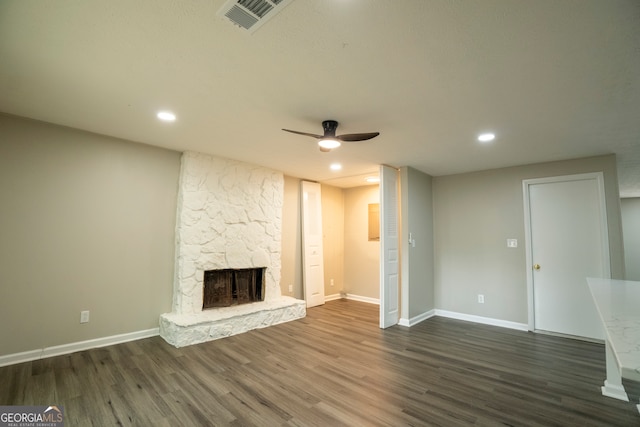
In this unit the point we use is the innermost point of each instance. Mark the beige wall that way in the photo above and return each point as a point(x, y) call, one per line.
point(361, 256)
point(333, 210)
point(333, 239)
point(475, 213)
point(291, 269)
point(631, 231)
point(349, 258)
point(86, 223)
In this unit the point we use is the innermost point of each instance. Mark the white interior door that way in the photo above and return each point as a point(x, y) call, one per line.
point(567, 242)
point(389, 247)
point(312, 255)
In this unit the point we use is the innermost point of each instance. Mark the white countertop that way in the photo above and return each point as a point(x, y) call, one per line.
point(618, 302)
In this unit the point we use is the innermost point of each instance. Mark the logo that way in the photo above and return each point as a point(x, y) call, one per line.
point(31, 416)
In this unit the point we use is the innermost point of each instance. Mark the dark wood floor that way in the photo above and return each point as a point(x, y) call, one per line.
point(333, 368)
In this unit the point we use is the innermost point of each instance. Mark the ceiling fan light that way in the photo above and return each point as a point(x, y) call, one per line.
point(329, 144)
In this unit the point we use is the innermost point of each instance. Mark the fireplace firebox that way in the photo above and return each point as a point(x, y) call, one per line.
point(227, 287)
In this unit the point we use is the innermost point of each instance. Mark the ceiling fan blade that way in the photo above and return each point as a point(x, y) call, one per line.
point(313, 135)
point(357, 136)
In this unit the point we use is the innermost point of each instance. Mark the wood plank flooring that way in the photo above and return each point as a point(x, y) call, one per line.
point(333, 368)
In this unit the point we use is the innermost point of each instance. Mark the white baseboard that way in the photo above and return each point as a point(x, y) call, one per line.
point(58, 350)
point(332, 297)
point(363, 299)
point(27, 356)
point(417, 319)
point(483, 320)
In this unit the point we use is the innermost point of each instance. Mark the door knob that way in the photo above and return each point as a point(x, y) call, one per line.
point(536, 266)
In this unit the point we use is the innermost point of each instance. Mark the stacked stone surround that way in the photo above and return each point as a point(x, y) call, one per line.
point(229, 216)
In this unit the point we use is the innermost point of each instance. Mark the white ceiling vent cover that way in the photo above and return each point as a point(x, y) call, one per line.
point(251, 14)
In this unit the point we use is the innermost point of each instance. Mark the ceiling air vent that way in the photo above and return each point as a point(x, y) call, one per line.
point(251, 14)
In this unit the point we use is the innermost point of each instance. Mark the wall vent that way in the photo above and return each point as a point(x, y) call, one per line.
point(250, 15)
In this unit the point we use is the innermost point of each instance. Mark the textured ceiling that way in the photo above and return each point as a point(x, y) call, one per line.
point(554, 79)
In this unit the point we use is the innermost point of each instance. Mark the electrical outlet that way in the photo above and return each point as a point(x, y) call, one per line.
point(480, 298)
point(290, 288)
point(84, 316)
point(331, 282)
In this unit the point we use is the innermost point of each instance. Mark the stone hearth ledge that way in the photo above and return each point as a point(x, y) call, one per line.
point(181, 330)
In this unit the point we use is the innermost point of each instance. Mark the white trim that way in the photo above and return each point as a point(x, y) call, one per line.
point(417, 319)
point(362, 299)
point(58, 350)
point(614, 391)
point(604, 229)
point(484, 320)
point(332, 297)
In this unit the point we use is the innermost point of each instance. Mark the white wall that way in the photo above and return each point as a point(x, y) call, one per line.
point(631, 231)
point(475, 213)
point(86, 223)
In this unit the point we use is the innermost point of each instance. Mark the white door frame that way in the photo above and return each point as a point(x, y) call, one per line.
point(606, 260)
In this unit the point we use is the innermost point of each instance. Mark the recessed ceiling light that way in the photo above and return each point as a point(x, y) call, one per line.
point(335, 166)
point(373, 179)
point(166, 116)
point(486, 137)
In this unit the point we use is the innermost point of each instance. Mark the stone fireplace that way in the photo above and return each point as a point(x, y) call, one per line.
point(229, 219)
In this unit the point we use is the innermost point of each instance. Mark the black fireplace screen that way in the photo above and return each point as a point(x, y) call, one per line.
point(227, 287)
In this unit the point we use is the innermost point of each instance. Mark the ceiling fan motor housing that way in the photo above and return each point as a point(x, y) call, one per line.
point(330, 127)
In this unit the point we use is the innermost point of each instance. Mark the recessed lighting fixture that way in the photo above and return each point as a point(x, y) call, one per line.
point(335, 166)
point(373, 179)
point(166, 116)
point(486, 137)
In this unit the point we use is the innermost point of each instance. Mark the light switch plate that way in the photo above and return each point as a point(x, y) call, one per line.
point(512, 243)
point(84, 316)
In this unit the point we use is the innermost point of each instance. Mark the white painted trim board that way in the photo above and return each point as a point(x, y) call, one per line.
point(27, 356)
point(417, 319)
point(483, 320)
point(368, 300)
point(58, 350)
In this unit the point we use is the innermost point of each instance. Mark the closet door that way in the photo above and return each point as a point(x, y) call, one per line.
point(389, 247)
point(312, 255)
